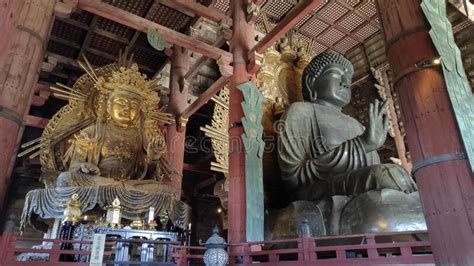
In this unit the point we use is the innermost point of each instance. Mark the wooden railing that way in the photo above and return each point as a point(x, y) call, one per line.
point(52, 254)
point(364, 249)
point(188, 255)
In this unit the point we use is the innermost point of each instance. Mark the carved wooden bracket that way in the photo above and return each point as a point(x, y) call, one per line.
point(225, 30)
point(253, 10)
point(255, 61)
point(65, 8)
point(224, 66)
point(181, 123)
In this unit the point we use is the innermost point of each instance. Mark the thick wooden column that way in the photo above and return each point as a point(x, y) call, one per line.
point(18, 75)
point(177, 104)
point(241, 43)
point(10, 11)
point(447, 187)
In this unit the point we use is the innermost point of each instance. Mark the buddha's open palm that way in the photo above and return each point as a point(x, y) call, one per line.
point(376, 131)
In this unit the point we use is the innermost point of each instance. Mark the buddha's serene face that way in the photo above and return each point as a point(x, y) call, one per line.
point(334, 85)
point(124, 108)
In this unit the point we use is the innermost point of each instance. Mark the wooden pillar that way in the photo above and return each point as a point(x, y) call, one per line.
point(241, 43)
point(447, 187)
point(177, 104)
point(18, 75)
point(10, 11)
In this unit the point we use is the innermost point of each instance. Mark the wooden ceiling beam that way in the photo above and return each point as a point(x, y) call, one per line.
point(286, 24)
point(336, 26)
point(323, 43)
point(357, 12)
point(204, 184)
point(205, 96)
point(65, 42)
point(210, 12)
point(138, 23)
point(194, 70)
point(137, 33)
point(35, 121)
point(109, 35)
point(113, 58)
point(88, 37)
point(73, 22)
point(197, 168)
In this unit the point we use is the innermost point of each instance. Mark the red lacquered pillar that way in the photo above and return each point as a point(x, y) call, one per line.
point(177, 104)
point(242, 41)
point(18, 75)
point(447, 187)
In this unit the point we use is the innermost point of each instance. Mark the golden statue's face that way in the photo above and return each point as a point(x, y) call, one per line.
point(123, 108)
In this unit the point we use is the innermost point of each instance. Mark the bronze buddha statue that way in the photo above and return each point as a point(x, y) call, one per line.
point(324, 152)
point(327, 156)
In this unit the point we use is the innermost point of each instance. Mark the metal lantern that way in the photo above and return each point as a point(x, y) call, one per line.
point(72, 212)
point(114, 214)
point(215, 254)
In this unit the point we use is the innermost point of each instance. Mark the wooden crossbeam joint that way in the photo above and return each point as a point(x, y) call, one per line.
point(255, 61)
point(225, 30)
point(206, 96)
point(224, 66)
point(181, 123)
point(65, 8)
point(34, 121)
point(210, 12)
point(286, 24)
point(144, 25)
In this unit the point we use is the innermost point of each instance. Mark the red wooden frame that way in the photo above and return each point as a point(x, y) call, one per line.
point(306, 251)
point(334, 250)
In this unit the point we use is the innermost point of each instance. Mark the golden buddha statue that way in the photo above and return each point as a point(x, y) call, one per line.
point(117, 150)
point(106, 144)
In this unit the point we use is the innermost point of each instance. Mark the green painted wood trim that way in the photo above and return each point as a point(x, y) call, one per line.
point(459, 90)
point(254, 146)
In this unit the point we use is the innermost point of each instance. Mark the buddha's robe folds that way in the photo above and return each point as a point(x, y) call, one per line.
point(321, 154)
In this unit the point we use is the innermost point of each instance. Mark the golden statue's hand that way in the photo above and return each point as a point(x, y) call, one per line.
point(88, 168)
point(156, 147)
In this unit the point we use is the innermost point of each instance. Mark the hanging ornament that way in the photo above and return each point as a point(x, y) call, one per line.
point(156, 40)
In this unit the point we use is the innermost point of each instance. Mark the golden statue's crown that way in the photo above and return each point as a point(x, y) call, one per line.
point(128, 79)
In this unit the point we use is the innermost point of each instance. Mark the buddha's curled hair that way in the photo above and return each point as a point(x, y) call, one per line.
point(319, 63)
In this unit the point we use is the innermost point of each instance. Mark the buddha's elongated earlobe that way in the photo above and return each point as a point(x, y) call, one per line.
point(309, 94)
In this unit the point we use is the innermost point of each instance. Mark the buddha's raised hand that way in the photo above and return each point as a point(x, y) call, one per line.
point(376, 131)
